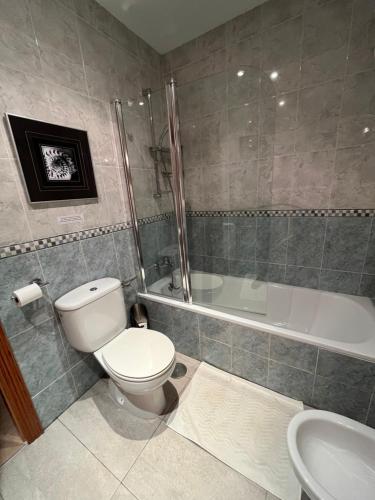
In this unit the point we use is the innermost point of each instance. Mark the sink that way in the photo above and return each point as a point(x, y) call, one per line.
point(333, 456)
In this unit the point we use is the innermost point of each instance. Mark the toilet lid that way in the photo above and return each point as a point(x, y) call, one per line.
point(138, 353)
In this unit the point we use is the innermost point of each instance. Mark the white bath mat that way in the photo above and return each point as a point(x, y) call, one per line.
point(242, 424)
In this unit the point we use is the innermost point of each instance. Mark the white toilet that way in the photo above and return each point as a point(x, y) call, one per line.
point(138, 361)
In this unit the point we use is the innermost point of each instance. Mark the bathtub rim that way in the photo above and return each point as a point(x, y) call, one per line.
point(321, 343)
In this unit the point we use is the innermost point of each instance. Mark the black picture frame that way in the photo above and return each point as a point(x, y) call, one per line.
point(55, 160)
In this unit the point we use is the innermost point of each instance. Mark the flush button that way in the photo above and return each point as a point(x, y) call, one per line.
point(93, 289)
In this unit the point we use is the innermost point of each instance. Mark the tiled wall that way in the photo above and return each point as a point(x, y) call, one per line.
point(63, 62)
point(304, 140)
point(318, 377)
point(54, 372)
point(158, 241)
point(336, 254)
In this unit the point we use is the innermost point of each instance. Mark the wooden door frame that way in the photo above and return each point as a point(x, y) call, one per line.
point(16, 394)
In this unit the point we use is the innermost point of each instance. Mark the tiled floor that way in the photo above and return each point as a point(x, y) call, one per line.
point(96, 450)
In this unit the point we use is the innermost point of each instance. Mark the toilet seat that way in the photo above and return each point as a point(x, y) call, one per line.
point(138, 355)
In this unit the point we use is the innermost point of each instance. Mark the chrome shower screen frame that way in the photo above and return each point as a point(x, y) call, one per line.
point(129, 188)
point(177, 190)
point(178, 187)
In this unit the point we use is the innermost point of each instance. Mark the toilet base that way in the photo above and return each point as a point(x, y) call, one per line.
point(149, 404)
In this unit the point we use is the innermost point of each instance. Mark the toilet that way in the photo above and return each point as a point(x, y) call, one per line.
point(138, 361)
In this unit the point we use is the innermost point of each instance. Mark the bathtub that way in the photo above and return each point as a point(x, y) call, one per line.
point(342, 323)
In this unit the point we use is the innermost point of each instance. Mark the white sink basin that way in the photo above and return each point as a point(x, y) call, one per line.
point(333, 456)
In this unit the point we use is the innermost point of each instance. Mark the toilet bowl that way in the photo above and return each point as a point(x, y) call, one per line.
point(138, 361)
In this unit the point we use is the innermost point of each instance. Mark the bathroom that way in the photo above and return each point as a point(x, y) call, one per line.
point(224, 182)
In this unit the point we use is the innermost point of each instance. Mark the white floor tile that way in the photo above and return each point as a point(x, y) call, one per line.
point(56, 466)
point(115, 436)
point(172, 467)
point(123, 493)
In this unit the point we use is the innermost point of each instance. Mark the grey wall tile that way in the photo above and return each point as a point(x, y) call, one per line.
point(346, 369)
point(40, 355)
point(305, 241)
point(270, 272)
point(216, 265)
point(86, 373)
point(352, 186)
point(126, 256)
point(216, 237)
point(302, 276)
point(272, 235)
point(100, 257)
point(326, 27)
point(295, 354)
point(242, 268)
point(340, 398)
point(186, 332)
point(370, 257)
point(149, 243)
point(17, 272)
point(320, 102)
point(290, 381)
point(339, 281)
point(281, 44)
point(346, 243)
point(325, 66)
point(159, 312)
point(371, 414)
point(215, 329)
point(250, 366)
point(250, 340)
point(359, 93)
point(216, 354)
point(242, 238)
point(244, 26)
point(361, 40)
point(55, 399)
point(244, 90)
point(64, 268)
point(367, 285)
point(276, 11)
point(195, 235)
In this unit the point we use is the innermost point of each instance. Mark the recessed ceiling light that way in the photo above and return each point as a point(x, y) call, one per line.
point(282, 103)
point(274, 75)
point(366, 130)
point(141, 103)
point(240, 72)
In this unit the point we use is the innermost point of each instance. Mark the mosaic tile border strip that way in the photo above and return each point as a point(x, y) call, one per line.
point(154, 218)
point(342, 212)
point(61, 239)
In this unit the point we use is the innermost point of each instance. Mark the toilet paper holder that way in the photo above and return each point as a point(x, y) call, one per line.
point(38, 282)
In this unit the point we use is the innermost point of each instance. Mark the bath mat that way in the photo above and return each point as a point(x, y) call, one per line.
point(242, 424)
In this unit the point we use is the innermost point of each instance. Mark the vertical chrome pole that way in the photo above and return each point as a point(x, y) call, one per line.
point(178, 186)
point(129, 187)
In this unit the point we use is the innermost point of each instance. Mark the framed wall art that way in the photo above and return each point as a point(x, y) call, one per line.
point(55, 160)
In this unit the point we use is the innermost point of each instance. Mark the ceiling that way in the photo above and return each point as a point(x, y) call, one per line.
point(167, 24)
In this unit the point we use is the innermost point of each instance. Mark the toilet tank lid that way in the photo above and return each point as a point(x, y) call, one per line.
point(84, 294)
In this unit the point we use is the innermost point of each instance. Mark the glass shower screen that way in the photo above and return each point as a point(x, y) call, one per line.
point(203, 151)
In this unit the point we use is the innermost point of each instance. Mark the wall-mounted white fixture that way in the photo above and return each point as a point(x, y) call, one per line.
point(333, 456)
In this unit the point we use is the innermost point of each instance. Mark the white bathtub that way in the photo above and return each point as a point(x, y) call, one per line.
point(343, 323)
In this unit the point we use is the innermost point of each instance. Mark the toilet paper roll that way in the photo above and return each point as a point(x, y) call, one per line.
point(27, 294)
